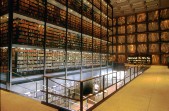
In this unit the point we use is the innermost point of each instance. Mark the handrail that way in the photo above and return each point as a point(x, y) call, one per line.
point(73, 91)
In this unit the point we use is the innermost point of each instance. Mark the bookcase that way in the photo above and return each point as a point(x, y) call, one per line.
point(142, 35)
point(50, 37)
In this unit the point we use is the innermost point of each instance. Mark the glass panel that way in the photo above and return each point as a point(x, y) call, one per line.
point(121, 20)
point(121, 39)
point(131, 48)
point(142, 38)
point(164, 58)
point(153, 48)
point(155, 59)
point(114, 21)
point(121, 48)
point(131, 19)
point(141, 17)
point(141, 27)
point(121, 30)
point(165, 47)
point(153, 15)
point(165, 36)
point(165, 25)
point(153, 26)
point(114, 30)
point(121, 58)
point(153, 37)
point(114, 49)
point(131, 39)
point(142, 48)
point(164, 13)
point(131, 28)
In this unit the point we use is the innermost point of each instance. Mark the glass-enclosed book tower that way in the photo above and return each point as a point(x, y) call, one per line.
point(54, 37)
point(142, 37)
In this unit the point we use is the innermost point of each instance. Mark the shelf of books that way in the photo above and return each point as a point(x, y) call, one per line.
point(142, 34)
point(41, 42)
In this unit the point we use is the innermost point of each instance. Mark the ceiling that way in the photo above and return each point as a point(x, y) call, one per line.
point(126, 7)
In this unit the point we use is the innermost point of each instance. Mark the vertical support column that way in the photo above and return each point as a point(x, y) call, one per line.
point(136, 34)
point(159, 28)
point(130, 73)
point(126, 53)
point(116, 40)
point(107, 47)
point(46, 89)
point(100, 41)
point(81, 45)
point(116, 81)
point(92, 33)
point(10, 34)
point(81, 96)
point(134, 72)
point(147, 34)
point(44, 43)
point(103, 85)
point(66, 46)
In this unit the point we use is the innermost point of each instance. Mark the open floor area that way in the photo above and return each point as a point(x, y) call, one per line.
point(148, 92)
point(13, 102)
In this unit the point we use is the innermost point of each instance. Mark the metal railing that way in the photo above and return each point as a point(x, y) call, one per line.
point(82, 95)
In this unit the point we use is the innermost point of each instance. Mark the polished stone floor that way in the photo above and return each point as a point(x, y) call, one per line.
point(148, 92)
